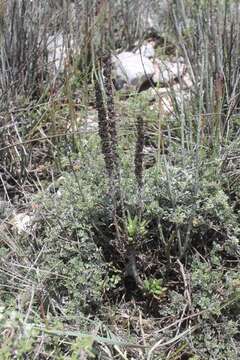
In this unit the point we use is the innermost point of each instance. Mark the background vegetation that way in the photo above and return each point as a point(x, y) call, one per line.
point(122, 255)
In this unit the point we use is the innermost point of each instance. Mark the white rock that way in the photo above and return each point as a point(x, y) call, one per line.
point(186, 82)
point(146, 50)
point(166, 72)
point(167, 98)
point(131, 70)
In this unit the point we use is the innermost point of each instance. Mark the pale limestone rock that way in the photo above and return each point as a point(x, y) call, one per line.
point(146, 50)
point(131, 70)
point(166, 98)
point(165, 72)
